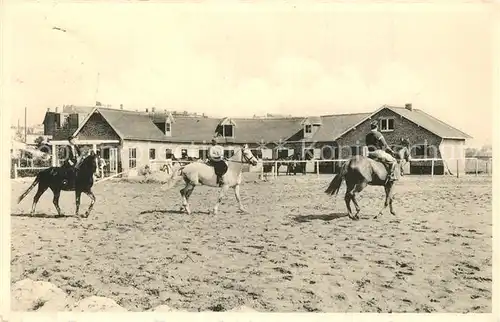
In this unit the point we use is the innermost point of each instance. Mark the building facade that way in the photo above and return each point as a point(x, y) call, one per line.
point(131, 139)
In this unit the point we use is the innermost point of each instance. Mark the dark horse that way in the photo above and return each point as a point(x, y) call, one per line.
point(54, 177)
point(360, 171)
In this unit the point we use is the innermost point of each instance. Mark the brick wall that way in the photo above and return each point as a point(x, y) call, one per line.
point(402, 128)
point(97, 128)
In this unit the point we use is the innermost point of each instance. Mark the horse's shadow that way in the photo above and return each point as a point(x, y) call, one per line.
point(40, 215)
point(169, 211)
point(328, 217)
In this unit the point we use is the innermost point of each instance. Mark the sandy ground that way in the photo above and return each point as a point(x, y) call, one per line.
point(289, 254)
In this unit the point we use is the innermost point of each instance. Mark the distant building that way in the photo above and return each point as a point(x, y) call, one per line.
point(130, 139)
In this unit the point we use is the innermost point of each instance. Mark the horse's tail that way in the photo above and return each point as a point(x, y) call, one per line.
point(35, 182)
point(175, 176)
point(334, 186)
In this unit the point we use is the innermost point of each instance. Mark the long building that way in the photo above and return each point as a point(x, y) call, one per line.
point(131, 139)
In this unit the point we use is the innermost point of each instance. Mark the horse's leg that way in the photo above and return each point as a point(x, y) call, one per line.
point(238, 198)
point(78, 195)
point(92, 202)
point(358, 188)
point(185, 193)
point(223, 192)
point(391, 198)
point(348, 197)
point(387, 188)
point(55, 200)
point(39, 193)
point(184, 201)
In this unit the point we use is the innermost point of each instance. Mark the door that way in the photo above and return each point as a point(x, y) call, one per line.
point(113, 160)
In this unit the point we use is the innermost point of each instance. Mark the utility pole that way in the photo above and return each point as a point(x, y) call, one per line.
point(25, 124)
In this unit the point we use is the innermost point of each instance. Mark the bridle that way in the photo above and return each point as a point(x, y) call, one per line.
point(244, 159)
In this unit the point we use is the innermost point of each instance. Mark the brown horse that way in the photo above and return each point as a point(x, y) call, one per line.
point(361, 171)
point(79, 182)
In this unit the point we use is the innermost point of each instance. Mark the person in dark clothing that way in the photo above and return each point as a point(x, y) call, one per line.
point(216, 159)
point(72, 161)
point(379, 150)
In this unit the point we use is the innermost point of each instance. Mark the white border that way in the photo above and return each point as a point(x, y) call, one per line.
point(400, 5)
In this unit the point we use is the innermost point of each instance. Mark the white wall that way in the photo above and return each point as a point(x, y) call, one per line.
point(143, 151)
point(452, 151)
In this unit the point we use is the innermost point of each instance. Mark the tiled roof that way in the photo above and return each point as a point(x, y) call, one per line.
point(334, 125)
point(430, 123)
point(133, 125)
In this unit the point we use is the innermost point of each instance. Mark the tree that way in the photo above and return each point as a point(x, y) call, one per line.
point(39, 141)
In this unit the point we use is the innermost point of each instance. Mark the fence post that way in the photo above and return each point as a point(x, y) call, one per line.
point(275, 172)
point(317, 168)
point(262, 171)
point(458, 170)
point(432, 168)
point(15, 170)
point(477, 166)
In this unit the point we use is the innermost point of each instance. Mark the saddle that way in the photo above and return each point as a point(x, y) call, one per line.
point(220, 167)
point(67, 174)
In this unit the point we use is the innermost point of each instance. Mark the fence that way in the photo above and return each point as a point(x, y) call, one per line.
point(474, 166)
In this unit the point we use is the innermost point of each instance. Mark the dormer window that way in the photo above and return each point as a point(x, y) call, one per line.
point(308, 129)
point(226, 128)
point(168, 128)
point(227, 131)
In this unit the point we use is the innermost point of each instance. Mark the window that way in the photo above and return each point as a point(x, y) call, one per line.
point(308, 129)
point(202, 154)
point(168, 128)
point(228, 153)
point(132, 158)
point(387, 125)
point(282, 153)
point(184, 154)
point(356, 150)
point(227, 130)
point(168, 154)
point(152, 154)
point(424, 151)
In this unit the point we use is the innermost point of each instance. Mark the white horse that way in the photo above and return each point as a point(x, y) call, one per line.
point(198, 173)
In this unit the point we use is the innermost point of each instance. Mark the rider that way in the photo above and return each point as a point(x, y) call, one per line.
point(379, 150)
point(216, 159)
point(74, 158)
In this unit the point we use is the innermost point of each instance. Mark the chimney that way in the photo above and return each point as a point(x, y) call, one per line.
point(48, 109)
point(57, 109)
point(408, 107)
point(147, 110)
point(121, 106)
point(152, 109)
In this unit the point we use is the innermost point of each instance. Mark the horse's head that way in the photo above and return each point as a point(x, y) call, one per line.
point(247, 155)
point(403, 153)
point(91, 163)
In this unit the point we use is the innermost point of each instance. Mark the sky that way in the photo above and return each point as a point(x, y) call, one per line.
point(242, 60)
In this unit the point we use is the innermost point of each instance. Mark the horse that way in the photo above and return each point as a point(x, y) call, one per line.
point(361, 171)
point(54, 177)
point(297, 166)
point(198, 173)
